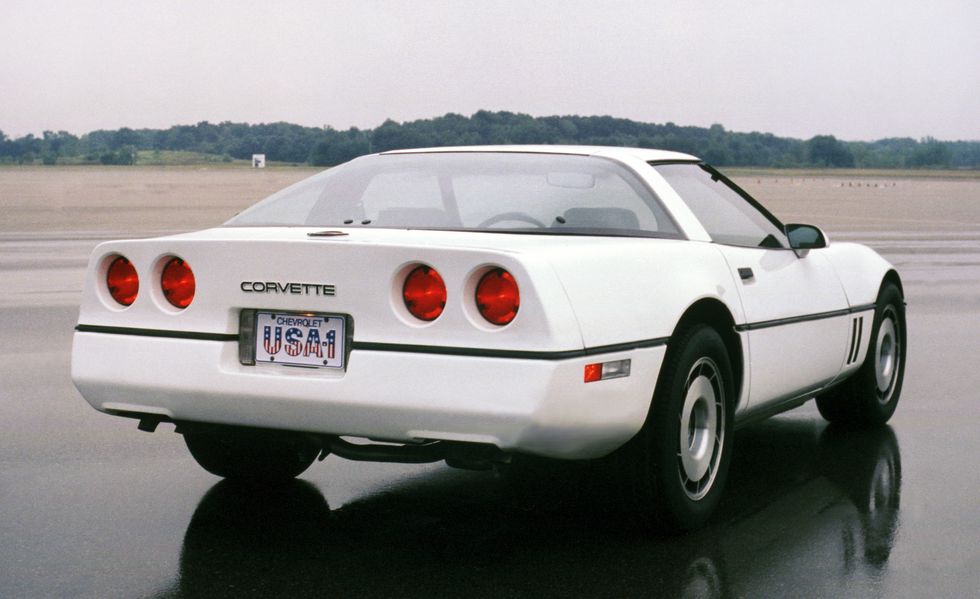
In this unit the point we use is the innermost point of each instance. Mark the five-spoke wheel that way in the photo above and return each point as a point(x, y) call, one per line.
point(702, 430)
point(677, 464)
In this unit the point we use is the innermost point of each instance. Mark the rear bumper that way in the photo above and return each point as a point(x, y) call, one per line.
point(534, 406)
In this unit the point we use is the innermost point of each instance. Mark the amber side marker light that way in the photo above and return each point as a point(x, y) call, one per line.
point(607, 370)
point(424, 293)
point(497, 297)
point(122, 281)
point(177, 282)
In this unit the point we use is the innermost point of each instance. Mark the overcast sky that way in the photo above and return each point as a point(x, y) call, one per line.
point(860, 69)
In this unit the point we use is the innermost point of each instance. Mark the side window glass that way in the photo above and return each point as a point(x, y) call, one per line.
point(726, 216)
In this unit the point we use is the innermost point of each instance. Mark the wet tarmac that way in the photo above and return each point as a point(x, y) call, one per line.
point(91, 507)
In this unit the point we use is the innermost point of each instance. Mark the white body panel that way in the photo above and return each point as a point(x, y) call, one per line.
point(859, 268)
point(624, 290)
point(537, 406)
point(583, 300)
point(227, 257)
point(791, 357)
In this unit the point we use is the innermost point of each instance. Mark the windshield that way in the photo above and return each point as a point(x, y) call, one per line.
point(482, 191)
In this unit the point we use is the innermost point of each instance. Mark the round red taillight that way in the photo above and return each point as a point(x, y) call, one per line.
point(122, 281)
point(177, 283)
point(424, 293)
point(497, 296)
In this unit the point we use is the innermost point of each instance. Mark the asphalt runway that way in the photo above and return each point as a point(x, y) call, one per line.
point(91, 507)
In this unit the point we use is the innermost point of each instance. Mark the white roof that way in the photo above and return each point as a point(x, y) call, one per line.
point(643, 154)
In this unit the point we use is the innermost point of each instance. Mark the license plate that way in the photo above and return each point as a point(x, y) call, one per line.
point(299, 339)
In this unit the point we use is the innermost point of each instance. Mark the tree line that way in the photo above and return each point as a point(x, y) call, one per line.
point(326, 146)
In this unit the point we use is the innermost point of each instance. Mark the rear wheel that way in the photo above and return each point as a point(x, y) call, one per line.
point(871, 395)
point(251, 454)
point(678, 463)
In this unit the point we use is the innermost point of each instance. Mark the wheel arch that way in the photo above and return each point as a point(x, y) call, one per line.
point(714, 313)
point(892, 277)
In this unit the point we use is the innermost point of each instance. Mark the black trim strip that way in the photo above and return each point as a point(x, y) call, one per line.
point(863, 308)
point(752, 326)
point(674, 161)
point(398, 347)
point(857, 340)
point(854, 337)
point(91, 328)
point(508, 353)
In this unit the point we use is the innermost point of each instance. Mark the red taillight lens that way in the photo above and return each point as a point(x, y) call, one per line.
point(424, 293)
point(177, 282)
point(122, 280)
point(497, 296)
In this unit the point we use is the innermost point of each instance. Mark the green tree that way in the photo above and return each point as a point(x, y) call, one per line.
point(338, 147)
point(125, 155)
point(931, 153)
point(124, 137)
point(326, 146)
point(825, 150)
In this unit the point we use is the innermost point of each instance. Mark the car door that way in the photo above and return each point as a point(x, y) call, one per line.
point(795, 321)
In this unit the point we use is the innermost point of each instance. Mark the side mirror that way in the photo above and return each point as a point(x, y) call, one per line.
point(803, 238)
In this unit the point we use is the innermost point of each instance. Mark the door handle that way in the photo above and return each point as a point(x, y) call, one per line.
point(746, 274)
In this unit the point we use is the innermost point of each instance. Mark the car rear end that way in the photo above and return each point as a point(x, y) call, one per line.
point(346, 331)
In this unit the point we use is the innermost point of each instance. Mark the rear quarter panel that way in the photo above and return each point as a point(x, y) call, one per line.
point(637, 289)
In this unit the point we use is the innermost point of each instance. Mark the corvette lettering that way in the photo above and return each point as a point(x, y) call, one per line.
point(288, 288)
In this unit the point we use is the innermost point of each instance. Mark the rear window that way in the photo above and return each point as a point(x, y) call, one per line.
point(478, 191)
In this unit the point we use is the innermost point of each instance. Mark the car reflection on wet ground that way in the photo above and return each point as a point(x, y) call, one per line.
point(542, 532)
point(91, 507)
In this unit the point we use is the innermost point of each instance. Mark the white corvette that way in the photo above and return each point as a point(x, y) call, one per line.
point(470, 304)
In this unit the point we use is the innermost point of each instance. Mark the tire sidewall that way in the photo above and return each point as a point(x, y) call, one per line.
point(251, 454)
point(876, 411)
point(680, 511)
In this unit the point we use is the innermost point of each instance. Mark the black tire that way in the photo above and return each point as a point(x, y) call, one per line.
point(834, 405)
point(869, 397)
point(675, 468)
point(251, 454)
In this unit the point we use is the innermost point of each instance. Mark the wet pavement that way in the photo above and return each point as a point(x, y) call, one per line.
point(91, 507)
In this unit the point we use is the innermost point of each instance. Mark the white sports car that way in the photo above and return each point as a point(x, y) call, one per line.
point(470, 304)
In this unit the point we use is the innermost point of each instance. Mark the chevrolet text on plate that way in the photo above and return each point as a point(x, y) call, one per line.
point(477, 303)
